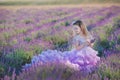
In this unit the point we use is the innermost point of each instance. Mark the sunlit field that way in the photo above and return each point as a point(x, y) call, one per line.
point(26, 32)
point(55, 2)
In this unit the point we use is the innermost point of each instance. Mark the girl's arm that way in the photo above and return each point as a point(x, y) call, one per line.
point(91, 45)
point(91, 40)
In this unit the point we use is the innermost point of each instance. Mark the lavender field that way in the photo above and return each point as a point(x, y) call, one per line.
point(26, 32)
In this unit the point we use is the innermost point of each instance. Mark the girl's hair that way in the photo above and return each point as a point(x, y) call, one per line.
point(82, 27)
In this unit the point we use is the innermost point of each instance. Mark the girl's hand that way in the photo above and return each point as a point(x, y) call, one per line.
point(88, 42)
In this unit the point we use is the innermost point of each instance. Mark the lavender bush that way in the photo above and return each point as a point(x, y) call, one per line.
point(107, 69)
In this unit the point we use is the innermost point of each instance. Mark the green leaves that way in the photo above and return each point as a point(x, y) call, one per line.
point(18, 58)
point(2, 70)
point(28, 39)
point(109, 72)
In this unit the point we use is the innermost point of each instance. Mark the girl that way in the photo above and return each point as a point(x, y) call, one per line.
point(80, 30)
point(83, 42)
point(81, 56)
point(84, 55)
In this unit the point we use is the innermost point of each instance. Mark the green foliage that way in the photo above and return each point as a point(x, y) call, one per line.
point(102, 45)
point(14, 41)
point(0, 53)
point(28, 21)
point(118, 48)
point(28, 39)
point(112, 44)
point(105, 31)
point(105, 44)
point(109, 29)
point(102, 36)
point(105, 73)
point(57, 40)
point(67, 23)
point(38, 50)
point(39, 35)
point(54, 20)
point(118, 40)
point(2, 70)
point(53, 71)
point(2, 27)
point(66, 74)
point(48, 38)
point(57, 27)
point(101, 18)
point(117, 22)
point(44, 74)
point(42, 33)
point(18, 58)
point(3, 43)
point(6, 35)
point(109, 72)
point(2, 21)
point(97, 46)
